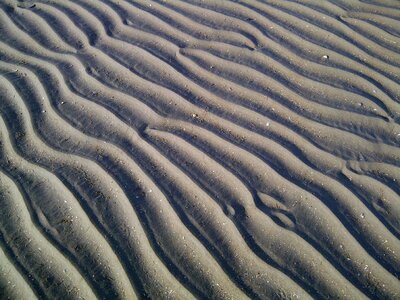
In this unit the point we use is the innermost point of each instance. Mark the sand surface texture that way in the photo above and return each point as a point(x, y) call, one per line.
point(199, 149)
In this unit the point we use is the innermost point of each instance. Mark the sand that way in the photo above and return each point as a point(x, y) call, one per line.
point(199, 149)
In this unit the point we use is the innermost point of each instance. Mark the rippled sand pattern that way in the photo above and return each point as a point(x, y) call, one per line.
point(199, 149)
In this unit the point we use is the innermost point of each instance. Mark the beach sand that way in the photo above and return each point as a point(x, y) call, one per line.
point(199, 149)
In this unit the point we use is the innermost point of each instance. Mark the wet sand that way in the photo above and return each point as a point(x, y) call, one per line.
point(199, 149)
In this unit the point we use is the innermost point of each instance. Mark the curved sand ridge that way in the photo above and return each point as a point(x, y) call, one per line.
point(199, 149)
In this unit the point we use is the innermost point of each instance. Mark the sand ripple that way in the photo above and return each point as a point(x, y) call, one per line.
point(199, 149)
